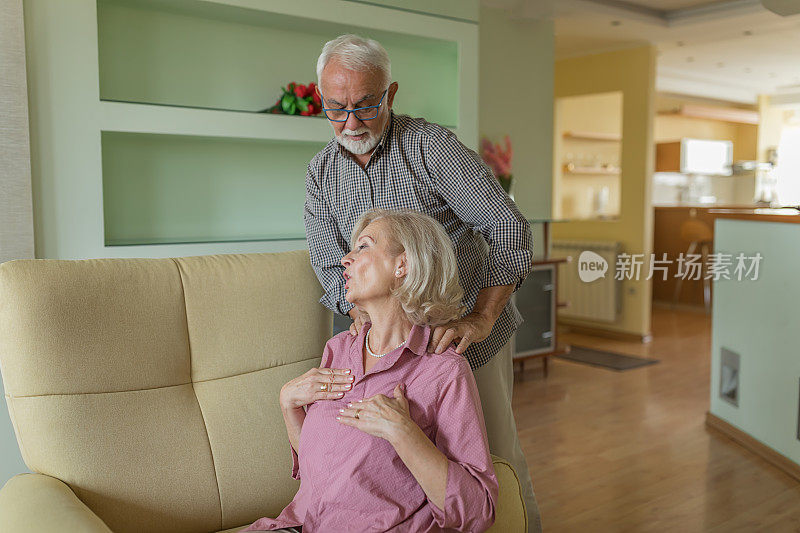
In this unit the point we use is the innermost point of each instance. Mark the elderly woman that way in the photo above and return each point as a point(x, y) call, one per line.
point(385, 435)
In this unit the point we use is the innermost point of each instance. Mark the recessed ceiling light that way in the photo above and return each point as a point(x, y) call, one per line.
point(616, 22)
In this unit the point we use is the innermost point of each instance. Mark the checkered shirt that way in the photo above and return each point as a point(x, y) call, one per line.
point(424, 167)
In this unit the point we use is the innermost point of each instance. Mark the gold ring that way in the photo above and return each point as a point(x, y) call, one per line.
point(357, 410)
point(323, 387)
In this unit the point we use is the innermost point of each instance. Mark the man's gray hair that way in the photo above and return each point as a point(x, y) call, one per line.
point(356, 53)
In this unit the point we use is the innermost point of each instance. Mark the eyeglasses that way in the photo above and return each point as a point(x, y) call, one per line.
point(362, 113)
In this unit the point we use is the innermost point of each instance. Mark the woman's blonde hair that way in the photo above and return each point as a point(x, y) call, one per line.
point(430, 293)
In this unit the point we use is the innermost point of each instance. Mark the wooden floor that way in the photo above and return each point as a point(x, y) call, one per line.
point(629, 451)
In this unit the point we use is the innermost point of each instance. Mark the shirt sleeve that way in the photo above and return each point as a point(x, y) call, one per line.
point(472, 488)
point(326, 245)
point(470, 189)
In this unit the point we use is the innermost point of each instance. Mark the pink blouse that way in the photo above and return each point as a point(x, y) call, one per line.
point(352, 481)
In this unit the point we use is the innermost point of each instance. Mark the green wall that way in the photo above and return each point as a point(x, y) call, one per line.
point(759, 321)
point(456, 9)
point(239, 61)
point(177, 189)
point(516, 98)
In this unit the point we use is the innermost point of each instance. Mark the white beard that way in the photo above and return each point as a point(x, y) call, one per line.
point(359, 147)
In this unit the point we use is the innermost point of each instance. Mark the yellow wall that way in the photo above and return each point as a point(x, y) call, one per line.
point(631, 71)
point(573, 194)
point(773, 120)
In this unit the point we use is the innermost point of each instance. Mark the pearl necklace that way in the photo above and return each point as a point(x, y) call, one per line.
point(373, 354)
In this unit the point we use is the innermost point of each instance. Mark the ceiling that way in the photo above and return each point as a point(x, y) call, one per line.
point(670, 5)
point(726, 49)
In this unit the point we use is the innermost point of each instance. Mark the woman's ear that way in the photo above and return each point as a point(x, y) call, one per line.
point(401, 268)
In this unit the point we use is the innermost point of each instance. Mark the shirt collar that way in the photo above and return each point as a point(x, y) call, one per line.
point(418, 339)
point(386, 130)
point(417, 343)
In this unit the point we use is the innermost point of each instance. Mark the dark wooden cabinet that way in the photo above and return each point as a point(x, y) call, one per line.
point(537, 301)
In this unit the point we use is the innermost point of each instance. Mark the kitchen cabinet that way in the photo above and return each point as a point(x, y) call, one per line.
point(695, 156)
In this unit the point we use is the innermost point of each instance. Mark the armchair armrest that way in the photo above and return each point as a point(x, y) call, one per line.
point(39, 503)
point(510, 514)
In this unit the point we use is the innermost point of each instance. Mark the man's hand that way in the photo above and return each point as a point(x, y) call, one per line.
point(359, 319)
point(473, 327)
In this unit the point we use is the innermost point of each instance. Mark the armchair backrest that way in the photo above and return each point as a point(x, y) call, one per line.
point(150, 386)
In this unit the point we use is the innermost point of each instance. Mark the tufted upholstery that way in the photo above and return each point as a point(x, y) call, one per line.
point(150, 386)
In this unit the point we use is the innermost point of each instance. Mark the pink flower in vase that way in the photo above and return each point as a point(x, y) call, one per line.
point(499, 159)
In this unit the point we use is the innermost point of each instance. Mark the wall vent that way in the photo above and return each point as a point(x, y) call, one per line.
point(729, 377)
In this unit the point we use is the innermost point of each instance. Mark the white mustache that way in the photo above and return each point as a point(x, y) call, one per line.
point(358, 131)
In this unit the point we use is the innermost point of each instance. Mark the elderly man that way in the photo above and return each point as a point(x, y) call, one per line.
point(379, 159)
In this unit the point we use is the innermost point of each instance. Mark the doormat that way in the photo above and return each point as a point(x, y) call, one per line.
point(614, 361)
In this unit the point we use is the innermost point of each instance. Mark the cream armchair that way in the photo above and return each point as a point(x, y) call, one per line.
point(144, 392)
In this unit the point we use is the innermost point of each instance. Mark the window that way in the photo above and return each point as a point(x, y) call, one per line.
point(787, 171)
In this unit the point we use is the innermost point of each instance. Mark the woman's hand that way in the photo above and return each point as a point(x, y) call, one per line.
point(389, 419)
point(316, 384)
point(380, 416)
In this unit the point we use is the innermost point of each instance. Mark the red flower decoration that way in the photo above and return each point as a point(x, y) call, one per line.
point(296, 98)
point(301, 91)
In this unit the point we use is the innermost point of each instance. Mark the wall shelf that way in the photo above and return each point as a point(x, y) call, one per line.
point(723, 114)
point(144, 114)
point(158, 119)
point(592, 136)
point(599, 171)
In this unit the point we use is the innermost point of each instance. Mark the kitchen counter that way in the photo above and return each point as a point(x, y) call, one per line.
point(755, 330)
point(704, 206)
point(667, 240)
point(791, 216)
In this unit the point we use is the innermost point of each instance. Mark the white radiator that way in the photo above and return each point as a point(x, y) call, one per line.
point(598, 300)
